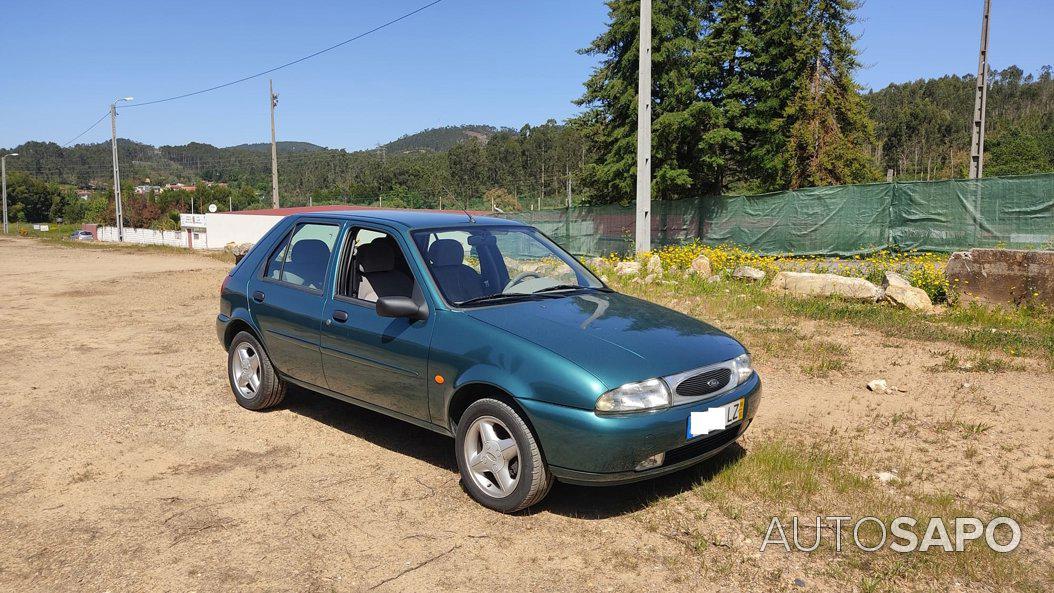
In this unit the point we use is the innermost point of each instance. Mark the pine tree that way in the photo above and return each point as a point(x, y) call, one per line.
point(827, 123)
point(680, 118)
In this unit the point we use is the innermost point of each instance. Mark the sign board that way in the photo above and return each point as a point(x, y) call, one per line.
point(45, 227)
point(192, 221)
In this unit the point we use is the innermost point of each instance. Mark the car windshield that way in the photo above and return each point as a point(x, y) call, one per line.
point(489, 265)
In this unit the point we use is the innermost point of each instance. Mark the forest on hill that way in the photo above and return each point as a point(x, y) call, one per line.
point(749, 96)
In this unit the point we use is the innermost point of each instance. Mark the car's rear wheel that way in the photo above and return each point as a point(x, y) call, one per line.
point(254, 381)
point(500, 461)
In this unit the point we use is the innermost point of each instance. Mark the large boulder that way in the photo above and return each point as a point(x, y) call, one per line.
point(240, 250)
point(654, 265)
point(748, 273)
point(1003, 276)
point(808, 284)
point(700, 266)
point(900, 292)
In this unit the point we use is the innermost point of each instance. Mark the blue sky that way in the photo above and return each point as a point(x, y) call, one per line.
point(501, 62)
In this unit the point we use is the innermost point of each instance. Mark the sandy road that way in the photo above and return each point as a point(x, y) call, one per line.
point(127, 465)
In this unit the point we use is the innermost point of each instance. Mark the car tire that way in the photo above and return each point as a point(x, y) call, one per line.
point(254, 381)
point(482, 480)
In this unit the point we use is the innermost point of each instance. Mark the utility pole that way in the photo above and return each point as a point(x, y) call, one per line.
point(118, 209)
point(3, 174)
point(273, 100)
point(643, 222)
point(980, 100)
point(568, 169)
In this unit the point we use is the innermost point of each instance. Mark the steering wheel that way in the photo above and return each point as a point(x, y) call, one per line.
point(521, 277)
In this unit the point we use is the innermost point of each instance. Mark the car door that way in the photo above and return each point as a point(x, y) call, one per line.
point(379, 360)
point(287, 295)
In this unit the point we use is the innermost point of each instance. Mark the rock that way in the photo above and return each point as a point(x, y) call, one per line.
point(878, 386)
point(808, 284)
point(895, 279)
point(595, 263)
point(604, 279)
point(909, 297)
point(650, 278)
point(886, 477)
point(714, 278)
point(654, 265)
point(799, 582)
point(748, 273)
point(1002, 276)
point(700, 266)
point(240, 250)
point(627, 268)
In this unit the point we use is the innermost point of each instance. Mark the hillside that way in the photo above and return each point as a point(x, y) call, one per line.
point(440, 139)
point(284, 147)
point(923, 126)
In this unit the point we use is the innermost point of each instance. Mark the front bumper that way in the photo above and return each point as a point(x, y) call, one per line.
point(582, 447)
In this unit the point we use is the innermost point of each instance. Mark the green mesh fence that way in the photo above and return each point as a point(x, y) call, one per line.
point(833, 221)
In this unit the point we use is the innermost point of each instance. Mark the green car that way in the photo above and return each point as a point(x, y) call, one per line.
point(484, 330)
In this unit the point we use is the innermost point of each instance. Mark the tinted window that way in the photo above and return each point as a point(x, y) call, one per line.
point(304, 260)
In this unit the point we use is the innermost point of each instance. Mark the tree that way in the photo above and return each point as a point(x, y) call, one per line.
point(1015, 152)
point(466, 161)
point(502, 200)
point(681, 119)
point(827, 123)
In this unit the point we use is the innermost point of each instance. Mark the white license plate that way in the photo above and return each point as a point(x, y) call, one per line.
point(707, 421)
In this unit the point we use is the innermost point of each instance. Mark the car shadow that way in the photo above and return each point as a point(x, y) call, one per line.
point(379, 429)
point(580, 502)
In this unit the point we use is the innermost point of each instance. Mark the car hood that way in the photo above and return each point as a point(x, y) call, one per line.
point(617, 338)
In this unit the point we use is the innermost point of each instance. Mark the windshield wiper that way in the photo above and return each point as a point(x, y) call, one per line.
point(498, 296)
point(572, 287)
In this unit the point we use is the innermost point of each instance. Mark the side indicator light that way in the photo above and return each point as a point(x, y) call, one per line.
point(439, 379)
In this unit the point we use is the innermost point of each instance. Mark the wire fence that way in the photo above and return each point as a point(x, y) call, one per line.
point(1015, 212)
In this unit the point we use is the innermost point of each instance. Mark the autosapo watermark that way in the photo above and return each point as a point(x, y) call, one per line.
point(871, 534)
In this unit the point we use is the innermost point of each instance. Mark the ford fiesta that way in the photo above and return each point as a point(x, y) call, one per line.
point(484, 330)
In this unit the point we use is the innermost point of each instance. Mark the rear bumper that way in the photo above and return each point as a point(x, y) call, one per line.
point(584, 448)
point(221, 328)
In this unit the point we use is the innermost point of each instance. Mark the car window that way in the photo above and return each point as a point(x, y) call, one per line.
point(377, 268)
point(274, 263)
point(304, 260)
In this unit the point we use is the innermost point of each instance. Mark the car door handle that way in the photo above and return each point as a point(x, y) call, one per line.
point(340, 316)
point(258, 296)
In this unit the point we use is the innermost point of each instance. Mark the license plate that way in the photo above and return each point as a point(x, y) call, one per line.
point(707, 421)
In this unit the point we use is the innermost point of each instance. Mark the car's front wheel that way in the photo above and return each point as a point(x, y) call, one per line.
point(254, 381)
point(500, 461)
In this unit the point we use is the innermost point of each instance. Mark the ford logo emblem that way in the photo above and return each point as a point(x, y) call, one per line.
point(713, 383)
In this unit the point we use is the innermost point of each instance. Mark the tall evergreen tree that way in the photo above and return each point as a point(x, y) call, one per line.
point(680, 118)
point(827, 123)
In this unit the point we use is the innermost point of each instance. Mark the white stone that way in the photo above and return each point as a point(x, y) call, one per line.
point(714, 278)
point(895, 279)
point(627, 268)
point(878, 386)
point(748, 273)
point(809, 284)
point(700, 266)
point(654, 265)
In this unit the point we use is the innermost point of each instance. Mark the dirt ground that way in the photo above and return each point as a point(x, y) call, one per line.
point(128, 466)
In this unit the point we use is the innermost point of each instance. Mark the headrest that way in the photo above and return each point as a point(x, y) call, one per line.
point(446, 252)
point(377, 256)
point(306, 250)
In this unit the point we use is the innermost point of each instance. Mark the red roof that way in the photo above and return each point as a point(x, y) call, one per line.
point(332, 207)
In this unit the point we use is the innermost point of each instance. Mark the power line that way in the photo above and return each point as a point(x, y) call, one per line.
point(287, 64)
point(90, 128)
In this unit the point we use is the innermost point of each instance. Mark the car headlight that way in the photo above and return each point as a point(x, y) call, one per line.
point(742, 368)
point(635, 397)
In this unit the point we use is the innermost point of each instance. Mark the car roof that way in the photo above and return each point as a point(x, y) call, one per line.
point(413, 219)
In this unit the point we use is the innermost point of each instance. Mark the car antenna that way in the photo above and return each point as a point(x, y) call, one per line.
point(470, 219)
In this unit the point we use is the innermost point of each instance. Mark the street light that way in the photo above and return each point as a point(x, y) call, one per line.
point(118, 210)
point(3, 174)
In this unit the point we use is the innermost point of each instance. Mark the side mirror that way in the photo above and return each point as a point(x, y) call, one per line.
point(399, 306)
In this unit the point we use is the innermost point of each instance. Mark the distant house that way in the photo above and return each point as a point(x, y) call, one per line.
point(179, 186)
point(146, 189)
point(84, 194)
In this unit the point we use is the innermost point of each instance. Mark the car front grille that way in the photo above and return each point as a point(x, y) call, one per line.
point(705, 383)
point(703, 445)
